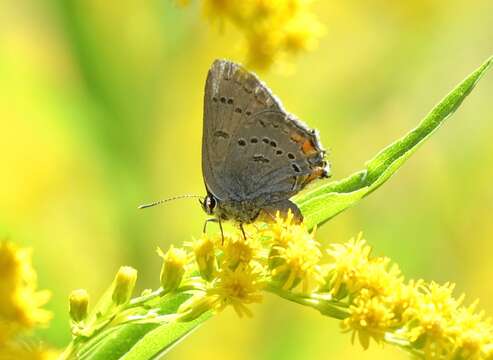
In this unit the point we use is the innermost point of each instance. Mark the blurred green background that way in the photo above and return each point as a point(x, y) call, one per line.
point(101, 110)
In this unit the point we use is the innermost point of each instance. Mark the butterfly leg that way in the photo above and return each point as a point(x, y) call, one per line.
point(222, 232)
point(216, 220)
point(208, 221)
point(243, 231)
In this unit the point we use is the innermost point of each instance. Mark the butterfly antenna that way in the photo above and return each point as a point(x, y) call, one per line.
point(144, 206)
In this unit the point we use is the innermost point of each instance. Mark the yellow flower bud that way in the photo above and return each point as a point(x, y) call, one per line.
point(78, 303)
point(124, 285)
point(173, 268)
point(205, 257)
point(195, 307)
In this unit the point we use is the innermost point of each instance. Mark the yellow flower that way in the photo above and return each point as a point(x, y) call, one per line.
point(173, 269)
point(369, 318)
point(205, 257)
point(348, 262)
point(352, 269)
point(124, 283)
point(436, 313)
point(237, 288)
point(239, 251)
point(272, 28)
point(294, 255)
point(20, 302)
point(474, 334)
point(297, 261)
point(403, 300)
point(78, 304)
point(302, 33)
point(283, 230)
point(380, 277)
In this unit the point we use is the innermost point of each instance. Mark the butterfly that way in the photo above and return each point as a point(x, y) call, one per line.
point(255, 155)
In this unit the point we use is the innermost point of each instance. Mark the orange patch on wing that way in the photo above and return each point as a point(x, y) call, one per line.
point(306, 145)
point(308, 148)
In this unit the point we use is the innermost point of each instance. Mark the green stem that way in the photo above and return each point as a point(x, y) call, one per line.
point(144, 298)
point(138, 301)
point(403, 344)
point(69, 352)
point(331, 308)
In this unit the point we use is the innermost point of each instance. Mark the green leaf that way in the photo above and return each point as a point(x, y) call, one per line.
point(116, 342)
point(141, 340)
point(162, 339)
point(325, 200)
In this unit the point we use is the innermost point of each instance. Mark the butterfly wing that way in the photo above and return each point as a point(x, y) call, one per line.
point(252, 148)
point(229, 102)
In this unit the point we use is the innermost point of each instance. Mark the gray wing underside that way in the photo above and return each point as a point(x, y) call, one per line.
point(247, 151)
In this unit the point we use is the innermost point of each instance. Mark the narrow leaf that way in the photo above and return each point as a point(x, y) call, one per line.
point(162, 339)
point(141, 340)
point(325, 200)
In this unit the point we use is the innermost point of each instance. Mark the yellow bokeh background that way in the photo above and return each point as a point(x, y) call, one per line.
point(101, 110)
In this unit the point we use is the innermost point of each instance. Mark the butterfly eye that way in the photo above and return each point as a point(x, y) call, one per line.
point(209, 204)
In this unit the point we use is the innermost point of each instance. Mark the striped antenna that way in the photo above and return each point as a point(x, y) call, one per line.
point(169, 199)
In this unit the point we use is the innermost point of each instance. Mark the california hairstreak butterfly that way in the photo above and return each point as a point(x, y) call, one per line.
point(255, 155)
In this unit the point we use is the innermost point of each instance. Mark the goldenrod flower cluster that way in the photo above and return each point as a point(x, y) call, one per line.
point(234, 270)
point(20, 304)
point(421, 317)
point(369, 294)
point(272, 28)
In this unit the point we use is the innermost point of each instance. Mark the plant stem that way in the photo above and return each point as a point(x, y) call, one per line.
point(404, 344)
point(330, 308)
point(144, 298)
point(68, 353)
